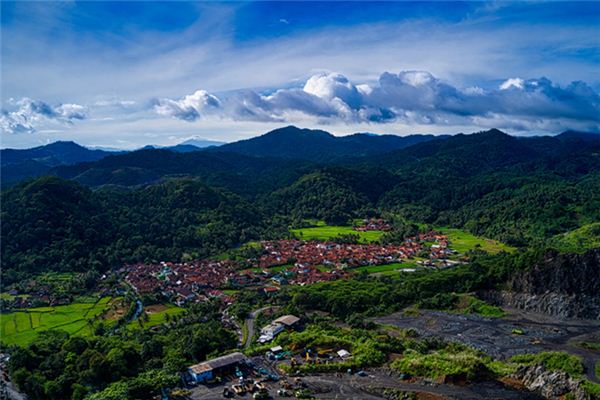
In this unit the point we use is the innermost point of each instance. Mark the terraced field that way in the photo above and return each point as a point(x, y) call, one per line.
point(21, 327)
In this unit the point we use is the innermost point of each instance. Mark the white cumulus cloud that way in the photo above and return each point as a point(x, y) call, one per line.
point(29, 113)
point(189, 108)
point(408, 97)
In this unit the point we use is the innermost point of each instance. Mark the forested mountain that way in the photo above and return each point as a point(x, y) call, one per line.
point(159, 204)
point(55, 224)
point(20, 164)
point(320, 146)
point(241, 174)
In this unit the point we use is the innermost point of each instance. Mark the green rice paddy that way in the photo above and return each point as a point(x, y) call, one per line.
point(21, 327)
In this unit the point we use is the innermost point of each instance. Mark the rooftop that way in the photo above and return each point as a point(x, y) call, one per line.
point(287, 320)
point(218, 362)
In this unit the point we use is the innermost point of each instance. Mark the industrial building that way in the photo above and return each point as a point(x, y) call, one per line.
point(210, 369)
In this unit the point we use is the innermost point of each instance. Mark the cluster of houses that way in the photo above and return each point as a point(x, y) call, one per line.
point(341, 255)
point(306, 262)
point(40, 298)
point(182, 282)
point(374, 224)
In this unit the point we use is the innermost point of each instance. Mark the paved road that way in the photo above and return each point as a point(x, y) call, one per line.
point(250, 323)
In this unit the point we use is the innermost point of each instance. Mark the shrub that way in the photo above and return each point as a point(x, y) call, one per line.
point(553, 360)
point(441, 363)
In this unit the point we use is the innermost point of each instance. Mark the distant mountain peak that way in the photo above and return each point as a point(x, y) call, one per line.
point(492, 132)
point(578, 135)
point(317, 145)
point(292, 130)
point(200, 142)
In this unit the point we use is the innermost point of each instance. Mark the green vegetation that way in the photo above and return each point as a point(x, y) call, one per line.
point(553, 360)
point(126, 365)
point(368, 347)
point(463, 242)
point(578, 240)
point(375, 269)
point(598, 370)
point(322, 231)
point(589, 345)
point(372, 296)
point(22, 327)
point(156, 315)
point(58, 225)
point(149, 206)
point(480, 307)
point(450, 361)
point(592, 388)
point(466, 304)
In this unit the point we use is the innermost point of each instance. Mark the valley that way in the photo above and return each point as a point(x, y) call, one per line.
point(317, 279)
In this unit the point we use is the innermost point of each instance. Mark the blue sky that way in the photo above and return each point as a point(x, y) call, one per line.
point(125, 74)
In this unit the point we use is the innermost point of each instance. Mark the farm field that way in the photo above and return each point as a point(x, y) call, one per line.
point(463, 241)
point(460, 240)
point(323, 231)
point(21, 327)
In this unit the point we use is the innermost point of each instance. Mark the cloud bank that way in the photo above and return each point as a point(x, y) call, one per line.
point(30, 113)
point(409, 97)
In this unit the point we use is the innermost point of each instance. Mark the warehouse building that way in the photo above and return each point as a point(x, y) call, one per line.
point(210, 369)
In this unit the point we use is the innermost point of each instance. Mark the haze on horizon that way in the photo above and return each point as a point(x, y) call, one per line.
point(127, 74)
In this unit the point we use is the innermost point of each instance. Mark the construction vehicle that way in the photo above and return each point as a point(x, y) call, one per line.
point(261, 394)
point(238, 373)
point(282, 355)
point(238, 389)
point(286, 385)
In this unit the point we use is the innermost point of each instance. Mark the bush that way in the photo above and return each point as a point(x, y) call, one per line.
point(553, 360)
point(447, 362)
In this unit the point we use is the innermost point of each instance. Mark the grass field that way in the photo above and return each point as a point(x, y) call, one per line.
point(322, 231)
point(21, 327)
point(157, 314)
point(463, 241)
point(376, 269)
point(460, 240)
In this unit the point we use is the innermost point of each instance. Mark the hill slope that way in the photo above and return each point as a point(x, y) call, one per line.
point(317, 145)
point(20, 164)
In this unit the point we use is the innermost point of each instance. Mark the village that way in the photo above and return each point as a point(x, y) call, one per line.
point(282, 262)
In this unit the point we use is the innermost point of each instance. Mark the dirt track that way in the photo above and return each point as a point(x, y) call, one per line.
point(353, 387)
point(345, 386)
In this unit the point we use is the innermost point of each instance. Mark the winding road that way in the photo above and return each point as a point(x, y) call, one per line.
point(250, 323)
